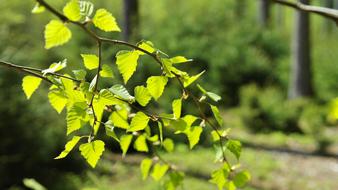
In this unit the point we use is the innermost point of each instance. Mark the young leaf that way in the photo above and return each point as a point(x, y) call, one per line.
point(110, 131)
point(220, 176)
point(58, 100)
point(56, 34)
point(72, 10)
point(140, 144)
point(86, 8)
point(235, 147)
point(126, 63)
point(242, 178)
point(120, 118)
point(38, 8)
point(180, 59)
point(142, 95)
point(108, 98)
point(156, 85)
point(121, 92)
point(160, 131)
point(55, 67)
point(30, 84)
point(145, 167)
point(69, 147)
point(189, 119)
point(192, 79)
point(139, 122)
point(75, 115)
point(105, 21)
point(125, 141)
point(177, 106)
point(159, 171)
point(146, 45)
point(211, 95)
point(168, 144)
point(107, 71)
point(90, 61)
point(217, 115)
point(80, 74)
point(92, 151)
point(194, 134)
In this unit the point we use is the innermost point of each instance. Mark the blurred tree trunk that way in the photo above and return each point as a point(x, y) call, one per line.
point(280, 15)
point(328, 24)
point(131, 20)
point(301, 75)
point(264, 12)
point(239, 8)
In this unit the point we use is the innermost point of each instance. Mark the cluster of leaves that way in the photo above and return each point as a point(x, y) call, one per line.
point(86, 104)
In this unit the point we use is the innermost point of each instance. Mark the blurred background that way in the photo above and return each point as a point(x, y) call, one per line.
point(275, 69)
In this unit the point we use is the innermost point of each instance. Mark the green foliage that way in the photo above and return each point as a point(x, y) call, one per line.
point(105, 21)
point(127, 62)
point(145, 167)
point(139, 122)
point(90, 61)
point(69, 147)
point(142, 95)
point(56, 34)
point(72, 10)
point(159, 171)
point(92, 151)
point(156, 85)
point(235, 147)
point(30, 84)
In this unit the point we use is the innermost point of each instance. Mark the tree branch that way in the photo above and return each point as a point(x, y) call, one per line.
point(326, 12)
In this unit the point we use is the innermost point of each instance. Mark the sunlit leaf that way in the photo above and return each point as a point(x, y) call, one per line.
point(120, 118)
point(38, 8)
point(86, 8)
point(217, 115)
point(139, 122)
point(30, 84)
point(179, 59)
point(159, 171)
point(126, 63)
point(145, 167)
point(72, 10)
point(105, 21)
point(147, 46)
point(57, 99)
point(69, 147)
point(211, 95)
point(177, 107)
point(121, 92)
point(156, 85)
point(142, 95)
point(107, 71)
point(192, 79)
point(193, 135)
point(125, 141)
point(220, 176)
point(55, 67)
point(80, 74)
point(168, 144)
point(92, 151)
point(56, 34)
point(140, 144)
point(235, 147)
point(242, 178)
point(90, 61)
point(76, 114)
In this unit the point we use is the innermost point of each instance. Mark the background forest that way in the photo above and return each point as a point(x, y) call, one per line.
point(249, 50)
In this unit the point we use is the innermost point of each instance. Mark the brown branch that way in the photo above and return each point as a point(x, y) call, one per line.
point(325, 12)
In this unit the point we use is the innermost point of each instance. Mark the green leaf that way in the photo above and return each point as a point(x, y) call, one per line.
point(93, 84)
point(177, 107)
point(147, 46)
point(38, 8)
point(90, 61)
point(107, 71)
point(110, 131)
point(108, 98)
point(159, 171)
point(175, 180)
point(211, 95)
point(180, 59)
point(156, 85)
point(193, 135)
point(121, 92)
point(72, 10)
point(86, 8)
point(178, 126)
point(220, 176)
point(140, 144)
point(242, 178)
point(33, 184)
point(235, 147)
point(145, 167)
point(105, 21)
point(142, 95)
point(69, 147)
point(126, 63)
point(120, 118)
point(139, 122)
point(58, 100)
point(56, 34)
point(55, 67)
point(75, 116)
point(217, 115)
point(192, 79)
point(80, 74)
point(160, 131)
point(30, 84)
point(168, 145)
point(189, 119)
point(125, 141)
point(92, 151)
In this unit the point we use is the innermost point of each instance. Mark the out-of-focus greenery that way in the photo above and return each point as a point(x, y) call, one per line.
point(247, 65)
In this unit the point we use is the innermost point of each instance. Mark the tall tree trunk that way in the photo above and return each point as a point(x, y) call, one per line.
point(264, 12)
point(131, 20)
point(301, 75)
point(328, 24)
